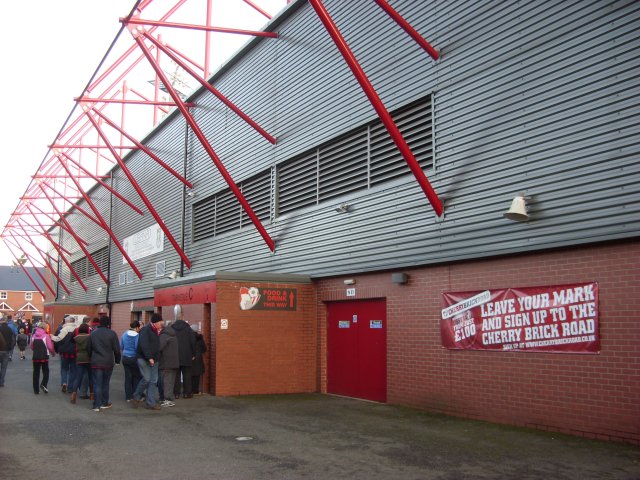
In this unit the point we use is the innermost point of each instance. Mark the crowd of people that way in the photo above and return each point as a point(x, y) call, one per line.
point(162, 361)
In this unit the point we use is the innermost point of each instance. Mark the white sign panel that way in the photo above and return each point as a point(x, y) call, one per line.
point(144, 243)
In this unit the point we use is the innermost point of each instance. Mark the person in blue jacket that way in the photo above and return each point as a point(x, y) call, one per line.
point(129, 348)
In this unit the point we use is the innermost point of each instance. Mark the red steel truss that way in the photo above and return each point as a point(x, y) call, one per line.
point(97, 137)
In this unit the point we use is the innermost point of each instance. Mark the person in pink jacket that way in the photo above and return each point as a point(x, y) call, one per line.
point(42, 347)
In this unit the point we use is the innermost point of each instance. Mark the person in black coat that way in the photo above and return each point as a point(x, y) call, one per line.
point(198, 364)
point(7, 347)
point(104, 349)
point(187, 353)
point(169, 363)
point(148, 359)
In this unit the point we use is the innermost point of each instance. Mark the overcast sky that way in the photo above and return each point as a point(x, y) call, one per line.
point(47, 59)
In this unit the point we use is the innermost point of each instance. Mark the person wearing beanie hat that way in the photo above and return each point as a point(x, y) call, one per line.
point(148, 355)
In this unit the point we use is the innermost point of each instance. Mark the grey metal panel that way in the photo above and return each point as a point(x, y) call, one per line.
point(165, 192)
point(540, 97)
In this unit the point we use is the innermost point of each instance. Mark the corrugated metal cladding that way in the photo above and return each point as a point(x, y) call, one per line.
point(534, 97)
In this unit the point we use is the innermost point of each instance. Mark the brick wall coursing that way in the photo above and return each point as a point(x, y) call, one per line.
point(265, 351)
point(120, 317)
point(596, 396)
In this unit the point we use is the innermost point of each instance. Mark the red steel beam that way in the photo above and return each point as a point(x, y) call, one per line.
point(46, 233)
point(206, 70)
point(132, 48)
point(77, 239)
point(142, 195)
point(413, 33)
point(72, 147)
point(54, 221)
point(255, 33)
point(143, 97)
point(44, 257)
point(105, 185)
point(377, 104)
point(64, 177)
point(27, 273)
point(211, 88)
point(257, 8)
point(57, 247)
point(104, 224)
point(134, 102)
point(75, 206)
point(205, 144)
point(145, 149)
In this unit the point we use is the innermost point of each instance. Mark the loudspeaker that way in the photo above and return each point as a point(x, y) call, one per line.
point(518, 210)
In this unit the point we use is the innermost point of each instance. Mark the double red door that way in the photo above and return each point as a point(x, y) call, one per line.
point(357, 349)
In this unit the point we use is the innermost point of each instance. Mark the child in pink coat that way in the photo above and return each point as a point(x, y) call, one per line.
point(42, 347)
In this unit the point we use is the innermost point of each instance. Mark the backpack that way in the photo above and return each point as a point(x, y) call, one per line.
point(66, 345)
point(40, 351)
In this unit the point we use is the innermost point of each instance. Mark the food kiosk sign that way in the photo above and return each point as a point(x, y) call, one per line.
point(562, 319)
point(271, 298)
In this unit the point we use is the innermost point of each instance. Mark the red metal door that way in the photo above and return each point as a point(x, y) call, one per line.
point(357, 349)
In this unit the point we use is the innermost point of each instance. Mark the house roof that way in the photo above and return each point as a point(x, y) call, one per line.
point(13, 278)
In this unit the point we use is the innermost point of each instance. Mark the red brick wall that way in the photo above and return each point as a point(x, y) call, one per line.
point(590, 395)
point(265, 351)
point(57, 312)
point(120, 317)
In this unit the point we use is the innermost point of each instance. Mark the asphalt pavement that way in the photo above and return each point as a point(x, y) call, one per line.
point(305, 436)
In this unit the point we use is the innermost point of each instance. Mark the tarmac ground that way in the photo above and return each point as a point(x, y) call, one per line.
point(302, 436)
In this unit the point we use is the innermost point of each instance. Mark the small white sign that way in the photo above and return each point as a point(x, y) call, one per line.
point(351, 292)
point(224, 323)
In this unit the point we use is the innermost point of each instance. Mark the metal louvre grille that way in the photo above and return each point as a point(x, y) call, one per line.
point(414, 123)
point(84, 268)
point(101, 258)
point(80, 266)
point(204, 218)
point(227, 212)
point(297, 183)
point(360, 159)
point(343, 165)
point(257, 191)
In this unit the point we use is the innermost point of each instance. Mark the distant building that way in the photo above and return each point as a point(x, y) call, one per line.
point(17, 295)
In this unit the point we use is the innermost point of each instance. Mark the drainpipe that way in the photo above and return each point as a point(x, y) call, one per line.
point(184, 192)
point(109, 247)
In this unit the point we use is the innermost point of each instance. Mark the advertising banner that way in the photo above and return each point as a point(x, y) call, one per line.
point(561, 319)
point(143, 243)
